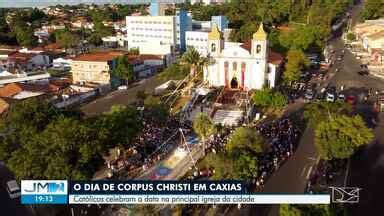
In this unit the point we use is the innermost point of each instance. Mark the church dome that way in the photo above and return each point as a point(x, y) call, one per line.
point(260, 34)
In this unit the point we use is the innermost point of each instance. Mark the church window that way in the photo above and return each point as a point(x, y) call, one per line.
point(213, 47)
point(234, 66)
point(258, 48)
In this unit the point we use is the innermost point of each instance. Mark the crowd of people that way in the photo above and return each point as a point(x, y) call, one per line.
point(283, 136)
point(157, 140)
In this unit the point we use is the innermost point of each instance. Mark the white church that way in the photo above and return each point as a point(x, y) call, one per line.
point(243, 66)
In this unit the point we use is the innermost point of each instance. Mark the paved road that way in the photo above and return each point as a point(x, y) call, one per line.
point(10, 207)
point(120, 97)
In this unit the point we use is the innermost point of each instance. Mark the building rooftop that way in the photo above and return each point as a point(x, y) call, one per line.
point(98, 56)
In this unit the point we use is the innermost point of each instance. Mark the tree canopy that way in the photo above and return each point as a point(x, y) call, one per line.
point(296, 62)
point(318, 112)
point(66, 38)
point(340, 136)
point(312, 210)
point(245, 139)
point(123, 69)
point(194, 60)
point(174, 72)
point(56, 144)
point(268, 98)
point(203, 125)
point(373, 9)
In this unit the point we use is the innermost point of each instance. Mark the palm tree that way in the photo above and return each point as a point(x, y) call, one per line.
point(194, 60)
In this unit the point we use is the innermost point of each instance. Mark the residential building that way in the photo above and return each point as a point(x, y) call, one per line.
point(243, 66)
point(5, 63)
point(147, 31)
point(198, 40)
point(95, 68)
point(27, 61)
point(220, 21)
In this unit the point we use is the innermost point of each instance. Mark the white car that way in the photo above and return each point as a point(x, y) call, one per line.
point(123, 87)
point(341, 97)
point(330, 97)
point(13, 189)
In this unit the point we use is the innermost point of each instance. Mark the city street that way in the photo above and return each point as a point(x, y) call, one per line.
point(10, 206)
point(120, 97)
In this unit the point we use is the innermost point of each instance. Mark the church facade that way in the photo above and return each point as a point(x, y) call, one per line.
point(244, 66)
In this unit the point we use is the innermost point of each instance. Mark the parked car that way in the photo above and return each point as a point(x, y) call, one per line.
point(13, 189)
point(330, 97)
point(341, 97)
point(123, 87)
point(363, 73)
point(309, 95)
point(351, 99)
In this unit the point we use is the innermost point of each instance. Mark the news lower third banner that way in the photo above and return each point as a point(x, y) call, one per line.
point(154, 192)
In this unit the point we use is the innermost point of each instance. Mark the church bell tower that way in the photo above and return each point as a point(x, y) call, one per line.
point(215, 41)
point(259, 43)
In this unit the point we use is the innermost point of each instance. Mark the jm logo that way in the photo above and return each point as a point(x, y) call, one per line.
point(46, 187)
point(345, 194)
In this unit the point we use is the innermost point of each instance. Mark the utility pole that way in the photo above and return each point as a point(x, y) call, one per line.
point(186, 145)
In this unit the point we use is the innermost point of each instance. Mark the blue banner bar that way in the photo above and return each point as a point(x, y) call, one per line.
point(44, 199)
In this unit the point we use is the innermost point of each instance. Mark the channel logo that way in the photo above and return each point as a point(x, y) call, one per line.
point(44, 187)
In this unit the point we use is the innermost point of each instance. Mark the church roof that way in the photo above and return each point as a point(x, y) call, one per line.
point(247, 46)
point(273, 57)
point(260, 34)
point(215, 33)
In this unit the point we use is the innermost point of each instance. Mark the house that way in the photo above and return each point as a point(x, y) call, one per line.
point(19, 91)
point(241, 66)
point(27, 61)
point(5, 63)
point(95, 68)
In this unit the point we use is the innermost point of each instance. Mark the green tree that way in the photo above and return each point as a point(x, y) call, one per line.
point(224, 165)
point(123, 69)
point(373, 9)
point(321, 111)
point(66, 149)
point(134, 51)
point(267, 98)
point(247, 139)
point(193, 59)
point(297, 61)
point(66, 39)
point(312, 210)
point(351, 36)
point(174, 72)
point(119, 126)
point(155, 109)
point(25, 36)
point(203, 126)
point(340, 136)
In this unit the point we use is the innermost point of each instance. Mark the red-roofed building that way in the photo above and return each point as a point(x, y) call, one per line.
point(20, 91)
point(94, 67)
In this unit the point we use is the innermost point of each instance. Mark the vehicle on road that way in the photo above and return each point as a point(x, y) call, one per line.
point(339, 58)
point(341, 97)
point(13, 189)
point(330, 97)
point(363, 73)
point(123, 87)
point(351, 100)
point(309, 95)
